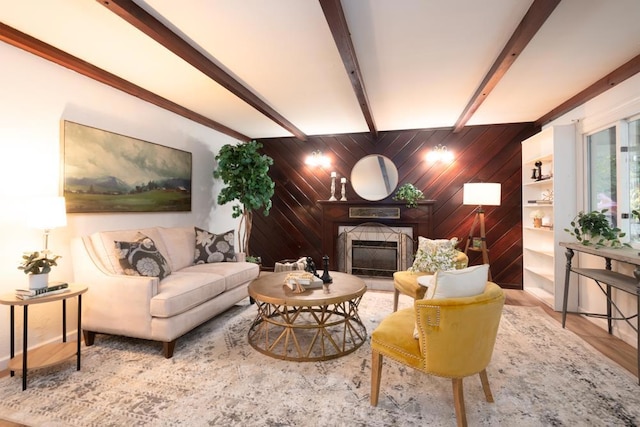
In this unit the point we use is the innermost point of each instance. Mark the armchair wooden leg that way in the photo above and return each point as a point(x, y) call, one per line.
point(376, 375)
point(458, 400)
point(396, 296)
point(485, 385)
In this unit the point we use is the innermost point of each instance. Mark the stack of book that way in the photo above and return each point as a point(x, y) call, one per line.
point(52, 289)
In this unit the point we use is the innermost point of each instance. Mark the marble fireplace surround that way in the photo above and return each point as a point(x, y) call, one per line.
point(352, 213)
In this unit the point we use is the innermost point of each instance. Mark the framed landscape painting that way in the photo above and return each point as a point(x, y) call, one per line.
point(108, 172)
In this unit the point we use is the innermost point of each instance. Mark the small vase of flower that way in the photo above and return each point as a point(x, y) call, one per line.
point(537, 216)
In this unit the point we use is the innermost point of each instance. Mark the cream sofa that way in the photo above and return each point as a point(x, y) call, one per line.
point(145, 307)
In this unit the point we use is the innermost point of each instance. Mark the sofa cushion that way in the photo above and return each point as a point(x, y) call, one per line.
point(142, 258)
point(180, 243)
point(212, 247)
point(181, 292)
point(467, 282)
point(234, 273)
point(104, 248)
point(435, 255)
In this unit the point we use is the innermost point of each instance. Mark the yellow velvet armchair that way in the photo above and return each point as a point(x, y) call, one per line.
point(456, 340)
point(406, 282)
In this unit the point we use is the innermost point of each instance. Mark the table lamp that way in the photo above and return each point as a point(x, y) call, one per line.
point(47, 213)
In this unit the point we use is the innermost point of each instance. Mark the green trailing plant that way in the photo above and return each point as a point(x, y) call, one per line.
point(37, 262)
point(244, 170)
point(409, 194)
point(594, 229)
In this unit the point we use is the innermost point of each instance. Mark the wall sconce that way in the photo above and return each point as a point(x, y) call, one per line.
point(317, 159)
point(439, 153)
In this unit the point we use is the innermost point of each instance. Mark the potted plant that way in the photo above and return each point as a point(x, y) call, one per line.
point(594, 228)
point(37, 265)
point(537, 216)
point(410, 194)
point(245, 172)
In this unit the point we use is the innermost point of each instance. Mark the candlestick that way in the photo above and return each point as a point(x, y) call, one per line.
point(333, 175)
point(343, 180)
point(333, 187)
point(344, 192)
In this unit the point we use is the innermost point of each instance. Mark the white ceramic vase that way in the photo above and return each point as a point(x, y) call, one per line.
point(38, 281)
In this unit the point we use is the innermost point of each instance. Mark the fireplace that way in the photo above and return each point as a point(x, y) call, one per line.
point(353, 213)
point(372, 249)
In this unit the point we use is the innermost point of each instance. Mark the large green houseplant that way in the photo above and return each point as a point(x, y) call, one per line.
point(244, 170)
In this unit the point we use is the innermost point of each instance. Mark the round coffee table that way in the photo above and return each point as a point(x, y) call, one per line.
point(308, 326)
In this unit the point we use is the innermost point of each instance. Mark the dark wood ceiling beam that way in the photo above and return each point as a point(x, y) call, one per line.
point(143, 21)
point(617, 76)
point(334, 14)
point(32, 45)
point(535, 17)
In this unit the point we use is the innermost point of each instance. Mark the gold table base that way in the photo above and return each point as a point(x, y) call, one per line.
point(307, 333)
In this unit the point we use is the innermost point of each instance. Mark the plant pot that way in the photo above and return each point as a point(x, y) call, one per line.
point(537, 222)
point(38, 281)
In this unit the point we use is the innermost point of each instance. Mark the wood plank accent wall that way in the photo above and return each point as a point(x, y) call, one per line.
point(490, 153)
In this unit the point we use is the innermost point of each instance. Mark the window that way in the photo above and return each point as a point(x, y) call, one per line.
point(602, 172)
point(613, 175)
point(634, 178)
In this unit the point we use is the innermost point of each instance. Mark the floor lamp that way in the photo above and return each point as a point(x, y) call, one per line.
point(480, 194)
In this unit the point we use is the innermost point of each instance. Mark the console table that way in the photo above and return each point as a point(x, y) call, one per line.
point(606, 279)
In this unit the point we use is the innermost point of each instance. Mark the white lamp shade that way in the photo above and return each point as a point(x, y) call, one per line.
point(481, 193)
point(47, 213)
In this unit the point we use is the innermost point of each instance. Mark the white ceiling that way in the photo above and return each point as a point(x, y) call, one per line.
point(421, 60)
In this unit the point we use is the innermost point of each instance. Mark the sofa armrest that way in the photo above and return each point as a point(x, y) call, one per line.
point(117, 304)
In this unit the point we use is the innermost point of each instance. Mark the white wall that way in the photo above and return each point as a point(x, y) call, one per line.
point(35, 95)
point(620, 102)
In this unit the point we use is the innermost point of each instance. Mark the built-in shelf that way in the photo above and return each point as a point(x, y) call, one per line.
point(543, 260)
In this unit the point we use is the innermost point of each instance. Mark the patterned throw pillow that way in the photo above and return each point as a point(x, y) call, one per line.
point(214, 247)
point(142, 258)
point(435, 255)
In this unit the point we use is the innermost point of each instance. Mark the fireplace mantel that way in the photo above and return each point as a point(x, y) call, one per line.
point(335, 214)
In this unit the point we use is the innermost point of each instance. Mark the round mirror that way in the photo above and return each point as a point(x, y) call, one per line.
point(374, 177)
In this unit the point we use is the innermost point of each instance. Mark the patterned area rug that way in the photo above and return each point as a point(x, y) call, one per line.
point(540, 375)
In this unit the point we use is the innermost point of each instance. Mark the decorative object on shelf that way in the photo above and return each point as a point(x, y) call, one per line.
point(409, 194)
point(245, 172)
point(480, 194)
point(539, 171)
point(439, 153)
point(547, 196)
point(534, 173)
point(594, 229)
point(333, 187)
point(317, 159)
point(343, 181)
point(537, 216)
point(38, 265)
point(477, 243)
point(326, 279)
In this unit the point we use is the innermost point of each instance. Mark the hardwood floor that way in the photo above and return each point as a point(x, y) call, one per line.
point(610, 346)
point(613, 348)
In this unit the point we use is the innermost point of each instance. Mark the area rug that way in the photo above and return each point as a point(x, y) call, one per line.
point(540, 374)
